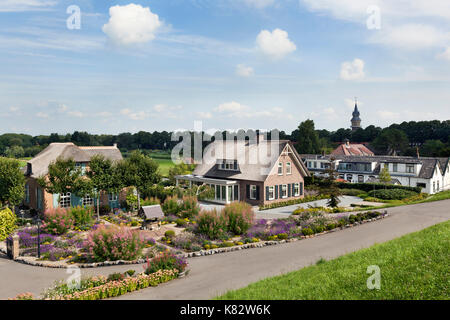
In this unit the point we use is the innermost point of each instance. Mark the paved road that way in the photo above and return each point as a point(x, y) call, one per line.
point(213, 275)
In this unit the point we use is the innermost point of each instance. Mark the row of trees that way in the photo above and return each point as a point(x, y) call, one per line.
point(403, 139)
point(103, 176)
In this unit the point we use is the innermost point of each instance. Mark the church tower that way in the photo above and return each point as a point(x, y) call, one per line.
point(356, 120)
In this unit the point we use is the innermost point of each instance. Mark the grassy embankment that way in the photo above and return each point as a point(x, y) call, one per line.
point(415, 266)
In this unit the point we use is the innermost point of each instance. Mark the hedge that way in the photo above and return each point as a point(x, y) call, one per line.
point(367, 187)
point(392, 194)
point(7, 223)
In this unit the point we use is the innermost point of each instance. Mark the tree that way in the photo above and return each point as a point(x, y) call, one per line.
point(329, 186)
point(138, 171)
point(103, 178)
point(12, 182)
point(180, 169)
point(307, 138)
point(433, 148)
point(63, 177)
point(384, 176)
point(391, 141)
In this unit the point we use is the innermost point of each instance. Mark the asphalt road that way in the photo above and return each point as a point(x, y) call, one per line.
point(215, 274)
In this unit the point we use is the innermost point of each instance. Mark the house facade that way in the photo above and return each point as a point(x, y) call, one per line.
point(258, 172)
point(431, 174)
point(39, 199)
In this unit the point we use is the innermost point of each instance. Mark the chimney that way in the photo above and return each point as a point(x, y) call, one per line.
point(417, 152)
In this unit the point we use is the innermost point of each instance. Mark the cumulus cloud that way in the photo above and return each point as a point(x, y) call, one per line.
point(131, 24)
point(157, 111)
point(232, 106)
point(352, 70)
point(275, 44)
point(259, 4)
point(204, 115)
point(236, 110)
point(244, 71)
point(42, 115)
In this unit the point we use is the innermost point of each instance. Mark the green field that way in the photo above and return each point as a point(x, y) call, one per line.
point(415, 266)
point(164, 160)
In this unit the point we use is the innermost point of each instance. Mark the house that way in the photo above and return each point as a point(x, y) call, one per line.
point(431, 174)
point(352, 149)
point(39, 199)
point(258, 172)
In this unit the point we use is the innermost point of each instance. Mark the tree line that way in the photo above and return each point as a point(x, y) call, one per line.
point(431, 137)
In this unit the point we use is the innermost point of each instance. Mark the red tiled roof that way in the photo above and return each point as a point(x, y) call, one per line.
point(351, 149)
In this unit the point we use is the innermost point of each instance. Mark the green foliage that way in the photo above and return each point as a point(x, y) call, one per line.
point(374, 186)
point(58, 221)
point(181, 223)
point(188, 208)
point(384, 176)
point(307, 138)
point(391, 141)
point(211, 223)
point(352, 192)
point(294, 201)
point(180, 169)
point(171, 206)
point(282, 236)
point(116, 276)
point(392, 194)
point(239, 217)
point(63, 177)
point(307, 231)
point(82, 216)
point(7, 223)
point(169, 234)
point(12, 182)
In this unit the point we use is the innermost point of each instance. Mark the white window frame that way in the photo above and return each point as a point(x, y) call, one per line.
point(394, 167)
point(271, 193)
point(87, 201)
point(408, 168)
point(284, 191)
point(280, 166)
point(113, 197)
point(296, 189)
point(252, 192)
point(63, 198)
point(288, 168)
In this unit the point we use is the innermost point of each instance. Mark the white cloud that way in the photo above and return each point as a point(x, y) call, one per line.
point(244, 71)
point(204, 115)
point(231, 107)
point(412, 36)
point(259, 4)
point(445, 55)
point(139, 115)
point(76, 114)
point(25, 5)
point(352, 70)
point(131, 24)
point(275, 44)
point(158, 111)
point(236, 110)
point(42, 115)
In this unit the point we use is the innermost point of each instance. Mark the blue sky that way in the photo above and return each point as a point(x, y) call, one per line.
point(163, 64)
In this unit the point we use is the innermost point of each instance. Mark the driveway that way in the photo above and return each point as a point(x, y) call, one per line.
point(216, 274)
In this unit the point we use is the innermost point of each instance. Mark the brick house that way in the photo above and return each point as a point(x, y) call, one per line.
point(39, 199)
point(259, 173)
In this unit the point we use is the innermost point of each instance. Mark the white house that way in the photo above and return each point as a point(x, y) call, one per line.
point(431, 174)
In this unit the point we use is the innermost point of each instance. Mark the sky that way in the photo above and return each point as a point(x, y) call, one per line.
point(125, 66)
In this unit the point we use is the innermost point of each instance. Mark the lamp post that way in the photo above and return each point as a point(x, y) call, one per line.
point(38, 222)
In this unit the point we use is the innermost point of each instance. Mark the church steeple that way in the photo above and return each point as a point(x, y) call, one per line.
point(356, 120)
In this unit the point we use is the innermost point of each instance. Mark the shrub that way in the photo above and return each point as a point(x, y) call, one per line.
point(352, 192)
point(171, 206)
point(294, 201)
point(226, 244)
point(57, 221)
point(239, 217)
point(150, 202)
point(181, 222)
point(367, 187)
point(318, 229)
point(169, 234)
point(211, 223)
point(392, 194)
point(282, 236)
point(116, 276)
point(82, 215)
point(165, 261)
point(331, 226)
point(130, 272)
point(114, 243)
point(307, 231)
point(189, 207)
point(7, 223)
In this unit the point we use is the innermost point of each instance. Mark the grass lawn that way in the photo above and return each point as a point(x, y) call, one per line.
point(415, 266)
point(164, 160)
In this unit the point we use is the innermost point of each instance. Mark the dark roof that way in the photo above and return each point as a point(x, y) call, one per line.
point(377, 180)
point(151, 212)
point(426, 171)
point(243, 152)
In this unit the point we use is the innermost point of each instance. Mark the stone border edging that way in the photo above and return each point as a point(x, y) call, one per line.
point(261, 244)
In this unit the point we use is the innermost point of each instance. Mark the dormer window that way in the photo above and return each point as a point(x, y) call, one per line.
point(410, 168)
point(230, 165)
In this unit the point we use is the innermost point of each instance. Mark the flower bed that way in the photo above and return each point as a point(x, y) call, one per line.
point(293, 202)
point(122, 219)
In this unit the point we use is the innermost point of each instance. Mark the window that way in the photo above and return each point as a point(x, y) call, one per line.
point(421, 185)
point(284, 191)
point(64, 200)
point(394, 167)
point(230, 193)
point(410, 168)
point(217, 192)
point(309, 164)
point(224, 192)
point(87, 201)
point(434, 186)
point(349, 177)
point(113, 197)
point(360, 178)
point(288, 168)
point(437, 186)
point(271, 193)
point(82, 167)
point(296, 189)
point(341, 176)
point(280, 168)
point(27, 193)
point(253, 192)
point(315, 164)
point(228, 165)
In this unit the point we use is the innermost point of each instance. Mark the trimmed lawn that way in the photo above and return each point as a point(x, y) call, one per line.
point(164, 160)
point(415, 266)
